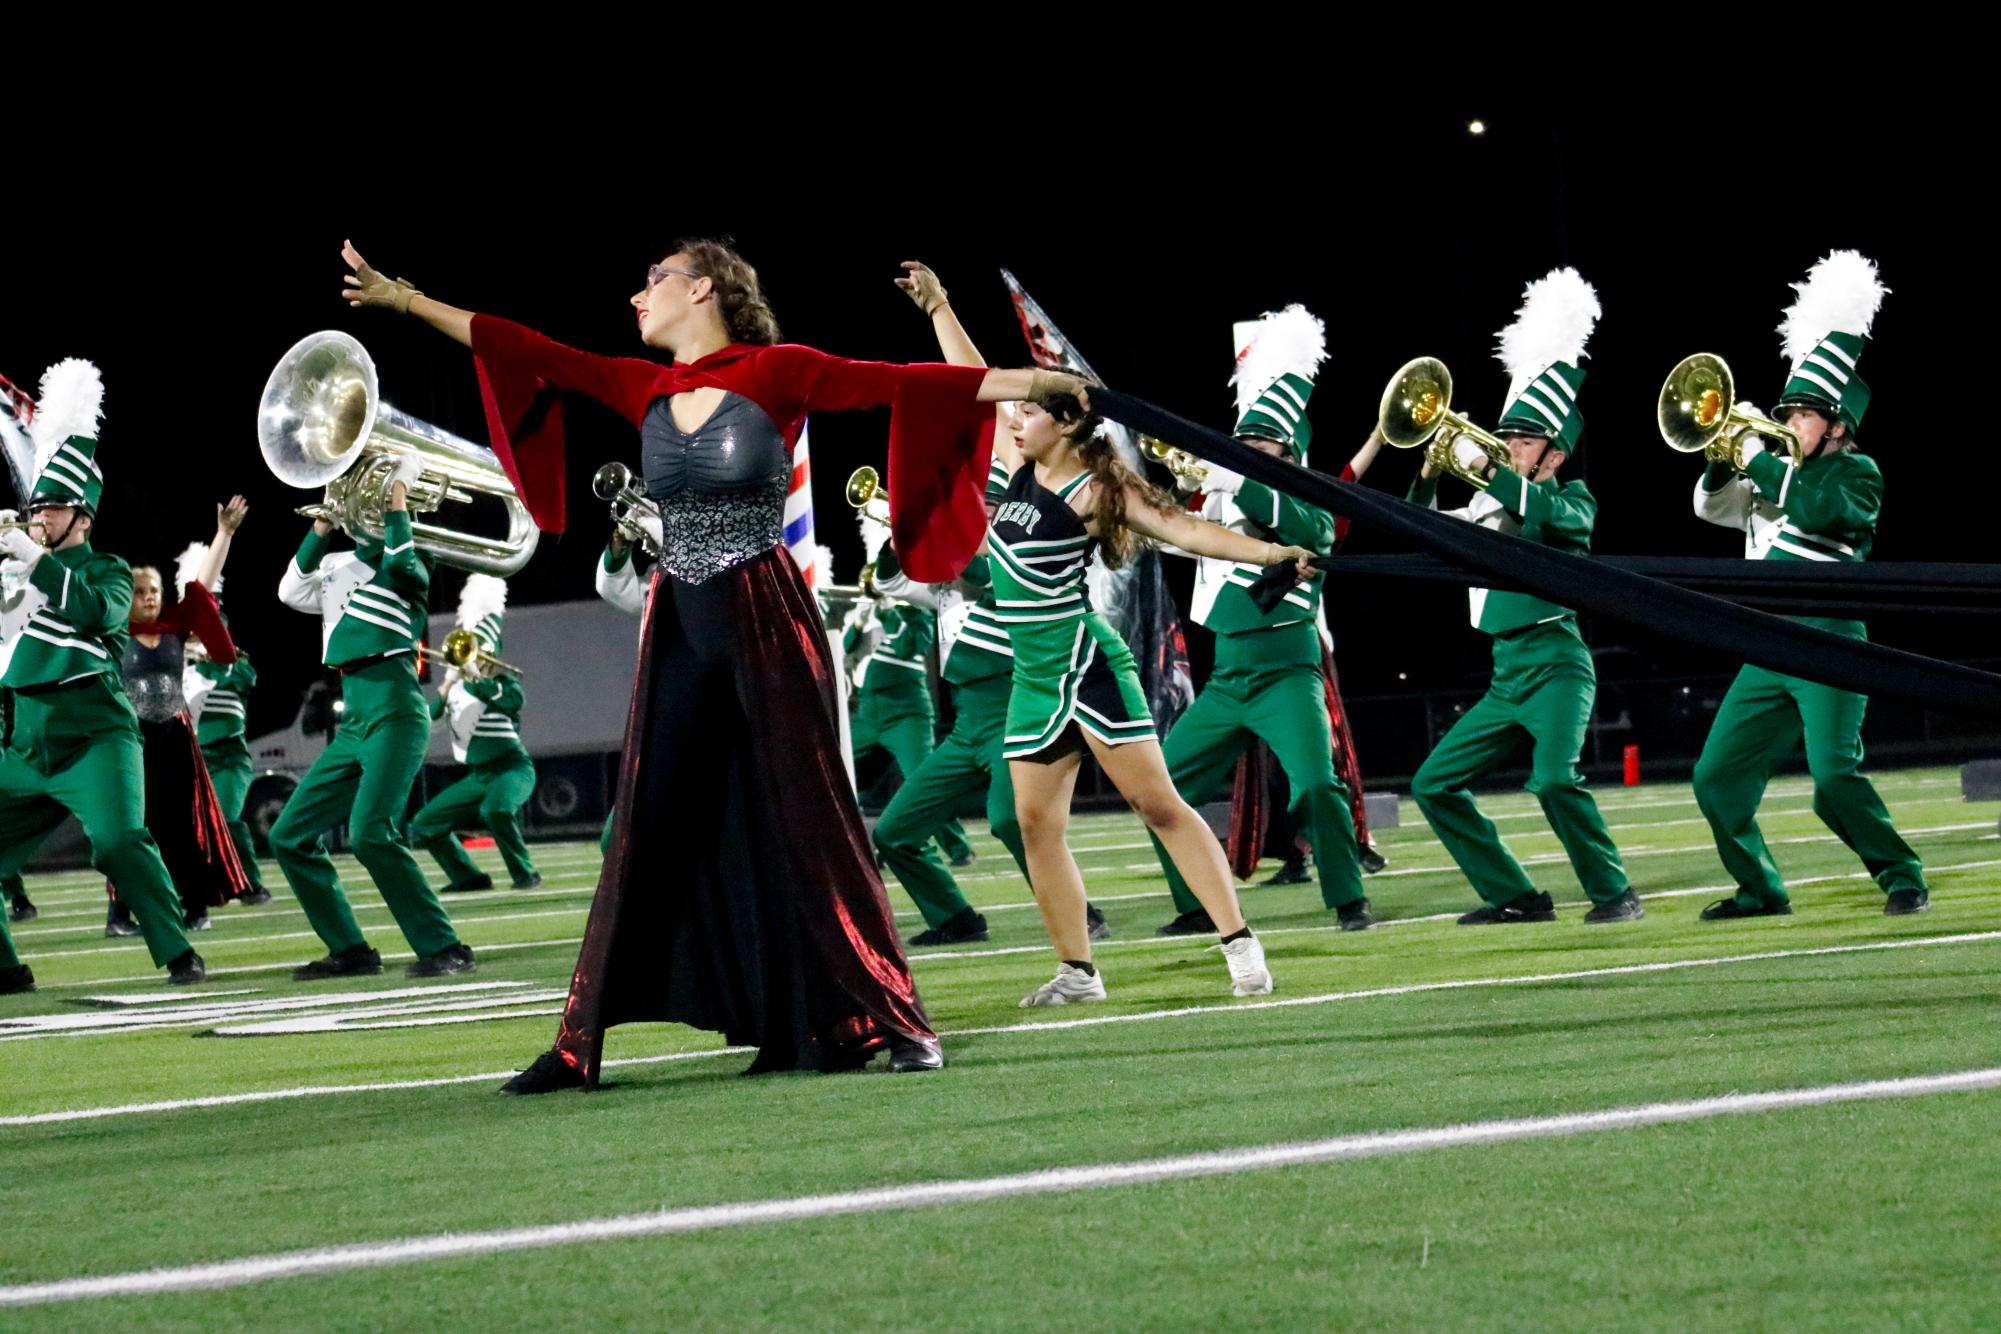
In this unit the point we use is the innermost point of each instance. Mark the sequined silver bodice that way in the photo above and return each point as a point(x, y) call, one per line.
point(720, 488)
point(153, 678)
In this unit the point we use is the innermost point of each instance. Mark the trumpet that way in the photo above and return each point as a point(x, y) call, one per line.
point(20, 523)
point(613, 483)
point(1417, 410)
point(462, 646)
point(1190, 473)
point(866, 493)
point(1698, 413)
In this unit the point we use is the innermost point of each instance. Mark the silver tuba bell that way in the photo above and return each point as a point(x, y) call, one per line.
point(322, 423)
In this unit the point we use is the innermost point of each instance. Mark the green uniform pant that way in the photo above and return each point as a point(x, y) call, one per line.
point(74, 750)
point(228, 761)
point(365, 778)
point(1542, 692)
point(1267, 685)
point(889, 722)
point(491, 794)
point(1757, 729)
point(965, 762)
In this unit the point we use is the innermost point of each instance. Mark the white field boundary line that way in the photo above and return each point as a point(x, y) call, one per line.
point(1095, 1021)
point(974, 1190)
point(207, 943)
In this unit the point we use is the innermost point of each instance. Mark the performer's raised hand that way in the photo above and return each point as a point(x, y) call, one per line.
point(921, 285)
point(366, 287)
point(229, 518)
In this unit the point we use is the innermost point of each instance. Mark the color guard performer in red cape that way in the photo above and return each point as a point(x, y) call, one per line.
point(773, 929)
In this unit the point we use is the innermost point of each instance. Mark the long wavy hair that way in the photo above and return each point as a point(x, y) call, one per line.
point(746, 315)
point(1110, 476)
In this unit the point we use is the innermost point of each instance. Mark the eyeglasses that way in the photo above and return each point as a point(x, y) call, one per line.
point(655, 272)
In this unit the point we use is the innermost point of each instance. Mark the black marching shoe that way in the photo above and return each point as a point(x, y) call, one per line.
point(354, 961)
point(1195, 922)
point(1724, 910)
point(963, 860)
point(1907, 901)
point(1094, 918)
point(23, 911)
point(1292, 873)
point(1372, 860)
point(451, 959)
point(187, 970)
point(962, 926)
point(532, 882)
point(550, 1074)
point(118, 921)
point(908, 1055)
point(477, 882)
point(1625, 908)
point(196, 921)
point(15, 980)
point(1533, 906)
point(256, 897)
point(1355, 915)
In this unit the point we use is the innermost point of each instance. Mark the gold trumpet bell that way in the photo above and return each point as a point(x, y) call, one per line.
point(865, 492)
point(461, 646)
point(1417, 410)
point(1698, 413)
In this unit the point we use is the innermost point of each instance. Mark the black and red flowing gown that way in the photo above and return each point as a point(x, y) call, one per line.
point(182, 812)
point(739, 893)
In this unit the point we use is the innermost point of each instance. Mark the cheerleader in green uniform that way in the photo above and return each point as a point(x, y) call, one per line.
point(1075, 685)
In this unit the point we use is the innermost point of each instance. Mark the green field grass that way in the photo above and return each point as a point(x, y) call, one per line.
point(1856, 1214)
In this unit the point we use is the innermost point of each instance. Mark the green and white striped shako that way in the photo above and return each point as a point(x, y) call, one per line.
point(1277, 359)
point(1825, 378)
point(1825, 330)
point(64, 429)
point(1546, 405)
point(1541, 351)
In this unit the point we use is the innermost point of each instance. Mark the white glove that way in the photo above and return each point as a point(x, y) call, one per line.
point(1749, 446)
point(1220, 481)
point(15, 544)
point(408, 469)
point(1469, 455)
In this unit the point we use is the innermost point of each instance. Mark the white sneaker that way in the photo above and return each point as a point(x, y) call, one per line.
point(1073, 986)
point(1248, 974)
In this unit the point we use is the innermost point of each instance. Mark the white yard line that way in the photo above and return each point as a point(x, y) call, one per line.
point(971, 1190)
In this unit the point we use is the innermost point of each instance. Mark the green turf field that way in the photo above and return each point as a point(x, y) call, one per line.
point(1839, 1210)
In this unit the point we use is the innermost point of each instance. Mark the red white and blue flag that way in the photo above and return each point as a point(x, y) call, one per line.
point(799, 513)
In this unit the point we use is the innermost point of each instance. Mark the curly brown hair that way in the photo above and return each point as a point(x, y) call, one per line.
point(745, 314)
point(1110, 476)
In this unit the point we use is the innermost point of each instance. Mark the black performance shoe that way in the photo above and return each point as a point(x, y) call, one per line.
point(15, 980)
point(1094, 918)
point(962, 926)
point(355, 961)
point(23, 911)
point(1724, 910)
point(116, 928)
point(477, 882)
point(1193, 923)
point(1355, 916)
point(257, 897)
point(1372, 860)
point(908, 1055)
point(197, 922)
point(1907, 901)
point(187, 970)
point(451, 959)
point(532, 882)
point(1625, 908)
point(964, 859)
point(550, 1074)
point(1294, 872)
point(1533, 906)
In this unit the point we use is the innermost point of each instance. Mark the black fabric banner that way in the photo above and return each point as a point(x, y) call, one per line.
point(1588, 585)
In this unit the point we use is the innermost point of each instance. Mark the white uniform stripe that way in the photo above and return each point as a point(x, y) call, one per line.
point(361, 615)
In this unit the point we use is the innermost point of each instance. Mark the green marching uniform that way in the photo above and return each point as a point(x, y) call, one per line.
point(1071, 669)
point(371, 605)
point(894, 711)
point(71, 739)
point(1544, 683)
point(219, 696)
point(485, 720)
point(1823, 510)
point(977, 670)
point(1266, 684)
